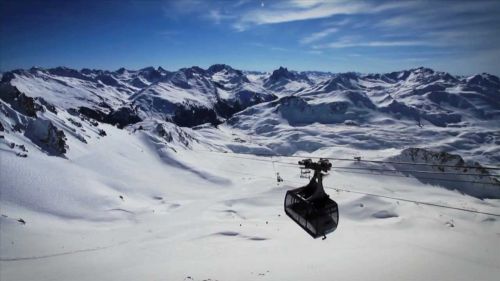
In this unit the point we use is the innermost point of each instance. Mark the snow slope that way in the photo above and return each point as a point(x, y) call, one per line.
point(83, 199)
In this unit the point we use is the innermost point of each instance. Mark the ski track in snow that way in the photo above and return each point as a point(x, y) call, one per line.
point(60, 254)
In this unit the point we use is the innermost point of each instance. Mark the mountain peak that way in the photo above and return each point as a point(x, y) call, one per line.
point(219, 67)
point(121, 70)
point(282, 73)
point(147, 69)
point(216, 68)
point(422, 69)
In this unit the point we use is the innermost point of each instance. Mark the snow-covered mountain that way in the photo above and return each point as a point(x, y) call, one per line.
point(396, 110)
point(97, 164)
point(188, 97)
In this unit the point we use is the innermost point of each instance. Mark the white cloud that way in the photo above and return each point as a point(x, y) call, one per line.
point(386, 43)
point(318, 35)
point(300, 10)
point(289, 13)
point(309, 3)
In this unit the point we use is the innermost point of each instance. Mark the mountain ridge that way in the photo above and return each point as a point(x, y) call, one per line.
point(269, 104)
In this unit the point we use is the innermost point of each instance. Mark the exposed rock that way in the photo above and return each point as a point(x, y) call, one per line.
point(122, 117)
point(193, 116)
point(48, 106)
point(448, 170)
point(19, 101)
point(44, 134)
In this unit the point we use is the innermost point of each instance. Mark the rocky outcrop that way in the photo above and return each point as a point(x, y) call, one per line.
point(448, 170)
point(121, 117)
point(44, 134)
point(19, 101)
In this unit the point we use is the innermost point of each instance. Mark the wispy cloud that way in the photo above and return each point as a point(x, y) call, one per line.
point(283, 12)
point(372, 27)
point(300, 10)
point(217, 16)
point(268, 47)
point(348, 43)
point(318, 35)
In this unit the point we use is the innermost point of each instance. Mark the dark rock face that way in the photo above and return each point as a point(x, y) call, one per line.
point(7, 77)
point(221, 67)
point(92, 113)
point(227, 110)
point(401, 110)
point(281, 73)
point(192, 116)
point(151, 74)
point(44, 134)
point(122, 117)
point(242, 100)
point(282, 76)
point(47, 105)
point(239, 76)
point(360, 99)
point(484, 81)
point(108, 80)
point(160, 130)
point(67, 72)
point(136, 82)
point(19, 101)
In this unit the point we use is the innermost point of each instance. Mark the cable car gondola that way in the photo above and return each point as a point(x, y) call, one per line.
point(309, 206)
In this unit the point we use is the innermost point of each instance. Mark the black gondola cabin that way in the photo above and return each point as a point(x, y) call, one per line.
point(309, 206)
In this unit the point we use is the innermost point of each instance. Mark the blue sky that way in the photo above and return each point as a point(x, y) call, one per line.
point(461, 37)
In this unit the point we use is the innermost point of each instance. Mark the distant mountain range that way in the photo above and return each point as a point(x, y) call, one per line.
point(273, 105)
point(193, 96)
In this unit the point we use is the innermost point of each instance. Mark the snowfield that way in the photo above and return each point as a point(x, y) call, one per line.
point(82, 199)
